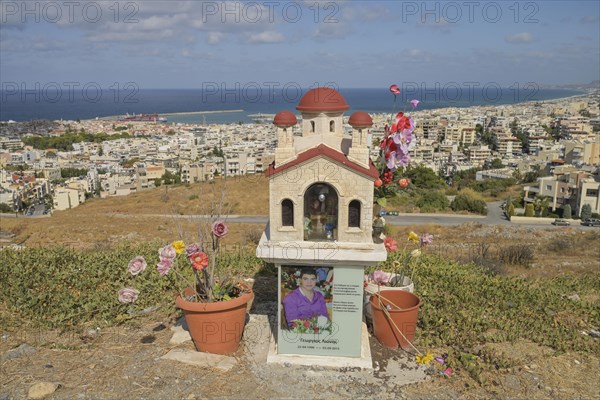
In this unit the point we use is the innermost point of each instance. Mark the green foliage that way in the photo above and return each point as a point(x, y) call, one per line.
point(586, 212)
point(72, 172)
point(529, 210)
point(567, 212)
point(463, 306)
point(424, 178)
point(66, 288)
point(492, 184)
point(170, 178)
point(496, 164)
point(510, 210)
point(5, 208)
point(65, 142)
point(432, 200)
point(466, 202)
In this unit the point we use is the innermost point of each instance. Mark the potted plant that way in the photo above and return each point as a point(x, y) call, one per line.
point(214, 308)
point(402, 262)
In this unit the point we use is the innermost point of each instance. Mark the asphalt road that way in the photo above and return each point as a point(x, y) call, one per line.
point(495, 217)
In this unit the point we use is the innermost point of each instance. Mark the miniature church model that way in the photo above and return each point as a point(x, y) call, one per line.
point(320, 230)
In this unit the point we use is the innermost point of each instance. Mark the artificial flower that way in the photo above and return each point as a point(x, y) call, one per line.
point(381, 277)
point(164, 266)
point(395, 89)
point(219, 229)
point(415, 253)
point(414, 103)
point(413, 237)
point(167, 252)
point(137, 265)
point(199, 260)
point(192, 248)
point(426, 239)
point(179, 246)
point(424, 359)
point(390, 244)
point(128, 295)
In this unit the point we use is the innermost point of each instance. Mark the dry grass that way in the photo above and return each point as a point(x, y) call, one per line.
point(103, 222)
point(570, 251)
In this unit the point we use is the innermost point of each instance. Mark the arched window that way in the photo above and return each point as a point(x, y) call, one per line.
point(320, 212)
point(287, 213)
point(332, 126)
point(312, 126)
point(354, 214)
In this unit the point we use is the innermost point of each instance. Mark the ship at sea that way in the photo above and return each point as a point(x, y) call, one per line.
point(142, 117)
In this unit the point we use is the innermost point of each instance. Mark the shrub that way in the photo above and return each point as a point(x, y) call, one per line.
point(465, 202)
point(529, 210)
point(517, 254)
point(567, 212)
point(431, 200)
point(510, 210)
point(586, 212)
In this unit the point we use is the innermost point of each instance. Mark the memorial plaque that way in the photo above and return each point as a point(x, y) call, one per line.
point(320, 310)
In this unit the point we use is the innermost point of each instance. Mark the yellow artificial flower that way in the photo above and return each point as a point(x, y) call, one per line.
point(179, 246)
point(413, 237)
point(426, 359)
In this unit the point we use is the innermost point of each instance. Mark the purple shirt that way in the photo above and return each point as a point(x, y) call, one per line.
point(297, 306)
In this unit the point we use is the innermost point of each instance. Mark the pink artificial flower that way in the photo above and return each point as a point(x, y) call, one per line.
point(448, 372)
point(414, 103)
point(137, 265)
point(167, 252)
point(426, 239)
point(128, 295)
point(219, 229)
point(395, 89)
point(164, 266)
point(381, 277)
point(390, 244)
point(192, 248)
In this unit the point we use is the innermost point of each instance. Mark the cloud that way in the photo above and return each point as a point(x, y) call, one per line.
point(523, 37)
point(265, 37)
point(214, 37)
point(337, 30)
point(590, 19)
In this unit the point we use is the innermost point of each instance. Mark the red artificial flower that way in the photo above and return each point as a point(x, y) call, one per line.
point(306, 324)
point(390, 244)
point(316, 329)
point(395, 89)
point(403, 183)
point(199, 260)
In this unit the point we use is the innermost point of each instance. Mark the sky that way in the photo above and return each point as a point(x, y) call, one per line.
point(352, 44)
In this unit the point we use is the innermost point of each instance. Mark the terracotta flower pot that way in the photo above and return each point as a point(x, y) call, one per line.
point(216, 327)
point(405, 318)
point(407, 285)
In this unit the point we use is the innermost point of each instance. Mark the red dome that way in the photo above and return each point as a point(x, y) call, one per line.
point(360, 119)
point(284, 119)
point(322, 99)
